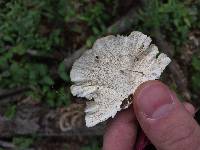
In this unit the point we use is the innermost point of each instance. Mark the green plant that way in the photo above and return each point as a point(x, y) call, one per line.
point(35, 36)
point(22, 143)
point(10, 112)
point(20, 38)
point(31, 32)
point(196, 74)
point(93, 146)
point(96, 18)
point(173, 18)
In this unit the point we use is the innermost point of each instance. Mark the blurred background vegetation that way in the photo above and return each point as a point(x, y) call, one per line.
point(36, 36)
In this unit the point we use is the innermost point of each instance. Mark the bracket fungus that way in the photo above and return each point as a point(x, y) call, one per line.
point(109, 72)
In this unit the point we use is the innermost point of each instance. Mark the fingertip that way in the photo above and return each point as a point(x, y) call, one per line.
point(145, 84)
point(150, 96)
point(141, 87)
point(189, 107)
point(163, 118)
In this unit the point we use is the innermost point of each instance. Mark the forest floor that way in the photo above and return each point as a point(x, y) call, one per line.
point(40, 40)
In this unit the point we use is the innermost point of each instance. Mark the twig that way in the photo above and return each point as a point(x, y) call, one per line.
point(125, 23)
point(7, 145)
point(70, 60)
point(8, 93)
point(32, 53)
point(34, 119)
point(11, 96)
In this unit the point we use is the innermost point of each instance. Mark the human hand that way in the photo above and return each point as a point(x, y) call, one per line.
point(167, 122)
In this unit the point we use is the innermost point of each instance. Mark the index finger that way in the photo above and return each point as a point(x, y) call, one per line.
point(121, 132)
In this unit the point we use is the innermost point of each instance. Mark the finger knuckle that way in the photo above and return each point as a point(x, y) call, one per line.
point(181, 137)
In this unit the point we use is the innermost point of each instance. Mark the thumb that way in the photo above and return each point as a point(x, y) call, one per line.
point(165, 121)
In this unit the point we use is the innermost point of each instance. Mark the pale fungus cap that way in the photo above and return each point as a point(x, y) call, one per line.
point(111, 71)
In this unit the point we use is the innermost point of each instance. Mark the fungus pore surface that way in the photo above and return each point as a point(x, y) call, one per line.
point(109, 72)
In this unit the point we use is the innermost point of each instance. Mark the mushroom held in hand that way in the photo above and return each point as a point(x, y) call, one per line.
point(111, 71)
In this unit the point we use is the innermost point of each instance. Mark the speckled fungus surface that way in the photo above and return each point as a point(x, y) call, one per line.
point(111, 71)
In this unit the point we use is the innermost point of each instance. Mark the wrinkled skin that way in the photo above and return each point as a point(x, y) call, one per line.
point(168, 123)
